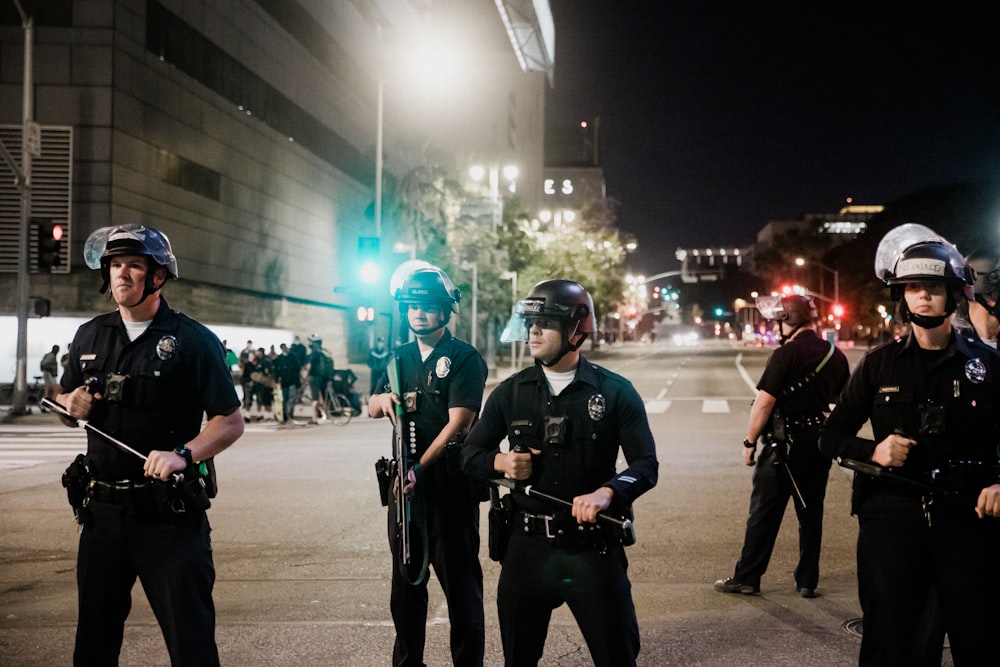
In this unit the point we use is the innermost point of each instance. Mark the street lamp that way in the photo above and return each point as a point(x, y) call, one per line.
point(801, 261)
point(474, 267)
point(512, 277)
point(494, 171)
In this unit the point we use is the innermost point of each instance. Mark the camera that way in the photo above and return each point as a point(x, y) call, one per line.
point(113, 386)
point(932, 419)
point(555, 431)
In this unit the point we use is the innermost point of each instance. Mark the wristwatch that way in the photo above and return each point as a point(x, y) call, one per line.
point(749, 445)
point(185, 453)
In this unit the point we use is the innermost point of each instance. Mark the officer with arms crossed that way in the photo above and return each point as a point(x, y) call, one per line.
point(928, 498)
point(146, 375)
point(442, 380)
point(565, 419)
point(802, 378)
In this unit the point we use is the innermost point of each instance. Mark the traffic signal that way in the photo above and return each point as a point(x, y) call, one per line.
point(838, 310)
point(368, 256)
point(50, 237)
point(43, 307)
point(719, 312)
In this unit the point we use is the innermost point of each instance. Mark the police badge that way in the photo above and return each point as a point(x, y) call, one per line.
point(596, 407)
point(443, 367)
point(975, 370)
point(166, 347)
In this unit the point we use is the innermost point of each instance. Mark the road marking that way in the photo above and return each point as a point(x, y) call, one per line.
point(657, 407)
point(715, 406)
point(743, 374)
point(17, 452)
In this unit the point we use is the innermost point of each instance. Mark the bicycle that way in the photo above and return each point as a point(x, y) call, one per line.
point(337, 406)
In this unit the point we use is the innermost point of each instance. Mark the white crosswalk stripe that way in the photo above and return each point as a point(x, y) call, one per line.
point(658, 406)
point(26, 450)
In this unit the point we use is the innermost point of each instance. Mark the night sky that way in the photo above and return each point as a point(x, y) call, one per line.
point(713, 123)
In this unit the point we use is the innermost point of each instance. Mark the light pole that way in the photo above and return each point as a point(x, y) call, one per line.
point(474, 267)
point(512, 277)
point(510, 173)
point(801, 261)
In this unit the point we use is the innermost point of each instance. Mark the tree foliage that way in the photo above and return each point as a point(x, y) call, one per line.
point(448, 226)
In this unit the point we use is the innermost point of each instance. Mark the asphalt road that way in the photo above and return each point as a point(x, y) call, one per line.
point(303, 566)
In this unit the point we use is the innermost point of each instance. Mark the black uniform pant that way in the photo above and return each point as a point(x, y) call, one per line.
point(172, 560)
point(772, 489)
point(453, 550)
point(538, 577)
point(900, 558)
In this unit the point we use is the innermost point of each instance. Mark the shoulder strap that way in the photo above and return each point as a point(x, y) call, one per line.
point(795, 386)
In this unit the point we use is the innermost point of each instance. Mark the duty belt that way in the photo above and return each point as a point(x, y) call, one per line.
point(119, 492)
point(805, 421)
point(564, 531)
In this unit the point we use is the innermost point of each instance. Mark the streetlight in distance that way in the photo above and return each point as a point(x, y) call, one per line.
point(801, 261)
point(512, 277)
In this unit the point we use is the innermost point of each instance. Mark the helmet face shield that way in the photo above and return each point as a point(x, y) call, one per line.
point(518, 328)
point(129, 240)
point(770, 306)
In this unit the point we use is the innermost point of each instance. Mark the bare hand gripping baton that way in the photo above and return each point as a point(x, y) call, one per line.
point(178, 477)
point(624, 525)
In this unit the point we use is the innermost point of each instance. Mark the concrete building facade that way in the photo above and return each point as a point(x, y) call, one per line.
point(246, 130)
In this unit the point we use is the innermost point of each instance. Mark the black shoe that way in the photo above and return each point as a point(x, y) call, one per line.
point(805, 592)
point(730, 585)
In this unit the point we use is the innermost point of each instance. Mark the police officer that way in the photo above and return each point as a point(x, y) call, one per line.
point(802, 378)
point(565, 419)
point(927, 515)
point(983, 310)
point(442, 380)
point(146, 375)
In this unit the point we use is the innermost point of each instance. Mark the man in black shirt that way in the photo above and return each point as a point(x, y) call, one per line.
point(147, 375)
point(927, 503)
point(802, 378)
point(442, 380)
point(566, 420)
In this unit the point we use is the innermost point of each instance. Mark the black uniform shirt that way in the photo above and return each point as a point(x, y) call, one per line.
point(946, 400)
point(787, 370)
point(171, 376)
point(603, 412)
point(453, 376)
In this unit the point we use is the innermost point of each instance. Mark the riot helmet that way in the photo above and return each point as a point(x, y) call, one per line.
point(986, 266)
point(915, 253)
point(315, 341)
point(795, 310)
point(562, 300)
point(108, 242)
point(429, 286)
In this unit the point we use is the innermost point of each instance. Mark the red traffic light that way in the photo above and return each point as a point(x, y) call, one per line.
point(837, 309)
point(57, 232)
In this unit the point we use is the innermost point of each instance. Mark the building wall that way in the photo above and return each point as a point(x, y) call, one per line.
point(264, 223)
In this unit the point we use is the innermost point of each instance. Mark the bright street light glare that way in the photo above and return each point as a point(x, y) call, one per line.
point(369, 272)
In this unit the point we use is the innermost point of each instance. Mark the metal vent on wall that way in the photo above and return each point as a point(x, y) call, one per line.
point(51, 195)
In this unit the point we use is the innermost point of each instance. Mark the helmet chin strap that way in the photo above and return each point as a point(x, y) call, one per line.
point(148, 289)
point(445, 318)
point(993, 310)
point(784, 338)
point(565, 348)
point(927, 321)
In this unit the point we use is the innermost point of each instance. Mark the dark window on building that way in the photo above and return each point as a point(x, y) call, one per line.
point(186, 174)
point(55, 13)
point(179, 44)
